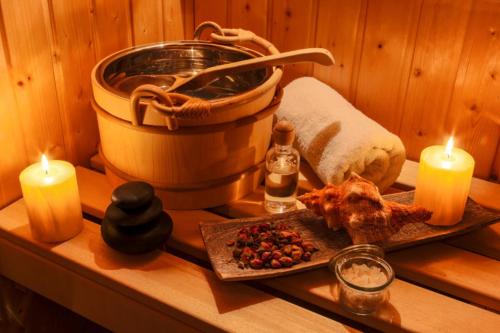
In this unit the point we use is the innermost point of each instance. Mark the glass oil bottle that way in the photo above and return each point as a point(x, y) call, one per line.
point(282, 170)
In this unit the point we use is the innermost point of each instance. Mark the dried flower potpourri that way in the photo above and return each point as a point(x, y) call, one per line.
point(270, 246)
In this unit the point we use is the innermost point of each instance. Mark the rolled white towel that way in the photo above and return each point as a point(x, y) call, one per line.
point(335, 138)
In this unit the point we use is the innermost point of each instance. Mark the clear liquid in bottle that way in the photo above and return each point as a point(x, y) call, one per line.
point(282, 171)
point(281, 191)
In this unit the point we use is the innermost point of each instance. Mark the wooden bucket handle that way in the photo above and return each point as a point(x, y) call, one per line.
point(171, 105)
point(231, 36)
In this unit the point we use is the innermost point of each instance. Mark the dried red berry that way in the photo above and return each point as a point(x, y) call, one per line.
point(254, 230)
point(275, 264)
point(286, 234)
point(242, 237)
point(296, 255)
point(277, 254)
point(256, 263)
point(270, 245)
point(308, 246)
point(266, 246)
point(286, 261)
point(230, 243)
point(265, 256)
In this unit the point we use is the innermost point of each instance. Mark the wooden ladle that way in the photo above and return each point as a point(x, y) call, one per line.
point(202, 78)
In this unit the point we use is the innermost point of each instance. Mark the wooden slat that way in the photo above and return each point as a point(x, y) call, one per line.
point(477, 86)
point(293, 24)
point(388, 44)
point(471, 276)
point(214, 10)
point(160, 281)
point(188, 17)
point(495, 170)
point(147, 21)
point(315, 287)
point(440, 35)
point(340, 29)
point(410, 308)
point(485, 241)
point(28, 40)
point(74, 56)
point(13, 151)
point(108, 308)
point(173, 20)
point(112, 26)
point(250, 15)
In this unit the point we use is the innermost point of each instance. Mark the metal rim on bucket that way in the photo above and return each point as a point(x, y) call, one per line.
point(186, 113)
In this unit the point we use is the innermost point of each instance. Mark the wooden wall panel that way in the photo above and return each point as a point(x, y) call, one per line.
point(437, 69)
point(495, 170)
point(188, 17)
point(13, 155)
point(250, 15)
point(388, 44)
point(173, 20)
point(161, 20)
point(112, 26)
point(29, 46)
point(213, 10)
point(293, 26)
point(74, 57)
point(48, 49)
point(147, 21)
point(477, 87)
point(440, 37)
point(340, 30)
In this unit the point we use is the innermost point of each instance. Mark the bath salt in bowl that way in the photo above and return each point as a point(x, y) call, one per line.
point(364, 278)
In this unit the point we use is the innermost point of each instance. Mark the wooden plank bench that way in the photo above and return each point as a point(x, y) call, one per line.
point(441, 286)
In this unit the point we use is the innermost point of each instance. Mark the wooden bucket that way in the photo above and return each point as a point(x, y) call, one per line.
point(196, 153)
point(192, 167)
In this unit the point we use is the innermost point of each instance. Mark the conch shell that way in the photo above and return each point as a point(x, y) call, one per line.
point(357, 206)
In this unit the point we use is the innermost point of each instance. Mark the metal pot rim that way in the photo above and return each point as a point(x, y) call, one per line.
point(101, 67)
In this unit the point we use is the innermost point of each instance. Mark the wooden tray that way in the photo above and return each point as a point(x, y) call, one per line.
point(327, 241)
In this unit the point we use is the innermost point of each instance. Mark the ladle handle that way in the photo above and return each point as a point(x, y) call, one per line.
point(172, 106)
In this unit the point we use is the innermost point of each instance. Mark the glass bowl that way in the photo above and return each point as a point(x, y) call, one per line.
point(363, 278)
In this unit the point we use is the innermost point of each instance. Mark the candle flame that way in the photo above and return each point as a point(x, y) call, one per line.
point(449, 147)
point(45, 164)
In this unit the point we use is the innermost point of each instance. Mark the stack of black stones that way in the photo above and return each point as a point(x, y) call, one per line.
point(135, 222)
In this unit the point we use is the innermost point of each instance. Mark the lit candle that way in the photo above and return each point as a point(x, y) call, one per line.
point(51, 195)
point(443, 182)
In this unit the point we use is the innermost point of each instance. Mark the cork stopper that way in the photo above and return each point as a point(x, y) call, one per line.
point(284, 133)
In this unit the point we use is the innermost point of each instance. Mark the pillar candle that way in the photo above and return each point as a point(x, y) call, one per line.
point(51, 196)
point(443, 182)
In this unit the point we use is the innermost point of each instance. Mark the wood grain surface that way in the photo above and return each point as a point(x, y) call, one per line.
point(423, 68)
point(413, 307)
point(149, 293)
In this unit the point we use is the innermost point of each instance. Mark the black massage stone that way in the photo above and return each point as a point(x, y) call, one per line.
point(136, 217)
point(136, 243)
point(133, 195)
point(135, 222)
